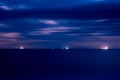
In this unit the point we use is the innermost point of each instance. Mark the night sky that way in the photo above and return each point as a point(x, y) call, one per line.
point(93, 24)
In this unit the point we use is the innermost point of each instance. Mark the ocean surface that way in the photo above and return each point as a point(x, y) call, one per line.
point(59, 64)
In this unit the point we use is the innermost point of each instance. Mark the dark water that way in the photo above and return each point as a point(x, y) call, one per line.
point(48, 64)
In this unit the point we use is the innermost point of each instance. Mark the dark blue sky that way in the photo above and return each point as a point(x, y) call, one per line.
point(61, 23)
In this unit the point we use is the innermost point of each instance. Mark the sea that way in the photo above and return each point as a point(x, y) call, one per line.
point(59, 64)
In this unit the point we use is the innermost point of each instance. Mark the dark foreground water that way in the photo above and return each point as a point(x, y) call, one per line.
point(48, 64)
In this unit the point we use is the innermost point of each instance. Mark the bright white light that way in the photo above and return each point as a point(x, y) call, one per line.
point(21, 47)
point(66, 48)
point(105, 48)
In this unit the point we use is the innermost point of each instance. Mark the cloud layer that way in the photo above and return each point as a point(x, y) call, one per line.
point(61, 23)
point(59, 33)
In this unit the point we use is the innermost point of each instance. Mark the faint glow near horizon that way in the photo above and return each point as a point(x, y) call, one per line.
point(21, 47)
point(67, 48)
point(105, 48)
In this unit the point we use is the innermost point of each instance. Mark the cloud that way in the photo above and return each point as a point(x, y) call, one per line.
point(98, 0)
point(51, 22)
point(36, 26)
point(10, 39)
point(10, 35)
point(8, 43)
point(26, 41)
point(101, 20)
point(51, 30)
point(2, 25)
point(97, 27)
point(5, 7)
point(96, 42)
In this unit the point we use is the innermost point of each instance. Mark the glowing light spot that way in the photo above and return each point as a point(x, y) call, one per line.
point(105, 48)
point(66, 48)
point(52, 48)
point(21, 47)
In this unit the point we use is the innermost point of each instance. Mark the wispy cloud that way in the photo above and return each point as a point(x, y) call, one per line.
point(5, 7)
point(26, 41)
point(2, 25)
point(67, 32)
point(51, 30)
point(8, 43)
point(10, 35)
point(96, 42)
point(49, 22)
